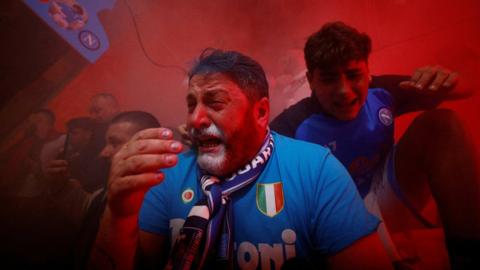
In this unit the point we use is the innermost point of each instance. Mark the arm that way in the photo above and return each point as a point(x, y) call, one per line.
point(152, 251)
point(115, 244)
point(134, 170)
point(424, 90)
point(287, 122)
point(365, 253)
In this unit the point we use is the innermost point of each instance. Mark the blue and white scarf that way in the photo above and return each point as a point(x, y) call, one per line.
point(206, 239)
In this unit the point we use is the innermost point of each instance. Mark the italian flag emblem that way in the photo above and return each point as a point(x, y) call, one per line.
point(270, 198)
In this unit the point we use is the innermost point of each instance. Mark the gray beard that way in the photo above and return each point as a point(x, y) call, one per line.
point(213, 163)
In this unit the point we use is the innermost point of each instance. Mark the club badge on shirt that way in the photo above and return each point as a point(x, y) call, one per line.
point(187, 195)
point(270, 198)
point(385, 116)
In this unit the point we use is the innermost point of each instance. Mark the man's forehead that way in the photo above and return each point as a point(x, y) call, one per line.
point(211, 82)
point(121, 128)
point(99, 101)
point(353, 65)
point(97, 104)
point(210, 79)
point(102, 101)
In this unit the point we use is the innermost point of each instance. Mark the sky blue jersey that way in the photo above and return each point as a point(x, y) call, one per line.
point(360, 144)
point(304, 204)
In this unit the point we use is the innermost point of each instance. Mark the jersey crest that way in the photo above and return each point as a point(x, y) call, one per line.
point(187, 195)
point(270, 198)
point(385, 116)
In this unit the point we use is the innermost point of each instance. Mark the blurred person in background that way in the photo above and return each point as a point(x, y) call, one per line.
point(23, 158)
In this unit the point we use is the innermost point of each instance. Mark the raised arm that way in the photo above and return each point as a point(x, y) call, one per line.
point(425, 89)
point(134, 170)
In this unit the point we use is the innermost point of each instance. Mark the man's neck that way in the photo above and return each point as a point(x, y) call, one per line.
point(258, 141)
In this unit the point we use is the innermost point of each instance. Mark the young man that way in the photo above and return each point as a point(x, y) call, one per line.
point(242, 198)
point(434, 155)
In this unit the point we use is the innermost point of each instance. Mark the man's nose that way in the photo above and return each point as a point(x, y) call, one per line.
point(344, 85)
point(199, 118)
point(106, 152)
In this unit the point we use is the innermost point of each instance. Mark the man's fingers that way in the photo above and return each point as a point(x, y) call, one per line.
point(440, 77)
point(154, 140)
point(415, 81)
point(57, 166)
point(425, 78)
point(132, 183)
point(417, 74)
point(451, 80)
point(55, 170)
point(143, 163)
point(433, 78)
point(153, 133)
point(150, 146)
point(182, 129)
point(407, 85)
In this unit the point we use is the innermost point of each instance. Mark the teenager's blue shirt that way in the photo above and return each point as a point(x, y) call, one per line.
point(360, 144)
point(314, 207)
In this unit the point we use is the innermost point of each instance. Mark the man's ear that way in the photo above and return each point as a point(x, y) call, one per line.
point(262, 111)
point(309, 75)
point(368, 72)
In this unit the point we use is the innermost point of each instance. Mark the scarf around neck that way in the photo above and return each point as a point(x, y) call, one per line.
point(206, 238)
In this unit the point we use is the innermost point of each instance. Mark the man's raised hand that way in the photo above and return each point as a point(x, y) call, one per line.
point(431, 78)
point(136, 168)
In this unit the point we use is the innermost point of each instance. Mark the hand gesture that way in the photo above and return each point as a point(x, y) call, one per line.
point(135, 169)
point(57, 170)
point(186, 140)
point(431, 78)
point(57, 174)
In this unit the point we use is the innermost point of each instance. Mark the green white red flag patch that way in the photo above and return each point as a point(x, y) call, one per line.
point(270, 198)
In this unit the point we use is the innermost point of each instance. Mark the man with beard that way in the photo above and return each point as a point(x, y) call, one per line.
point(434, 158)
point(244, 197)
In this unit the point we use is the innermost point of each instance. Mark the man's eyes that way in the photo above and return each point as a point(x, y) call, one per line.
point(216, 104)
point(334, 79)
point(329, 79)
point(114, 143)
point(191, 103)
point(354, 76)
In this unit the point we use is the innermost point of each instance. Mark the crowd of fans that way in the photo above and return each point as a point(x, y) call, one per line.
point(53, 185)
